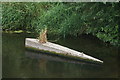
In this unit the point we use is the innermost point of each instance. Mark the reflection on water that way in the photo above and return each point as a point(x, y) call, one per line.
point(19, 63)
point(49, 57)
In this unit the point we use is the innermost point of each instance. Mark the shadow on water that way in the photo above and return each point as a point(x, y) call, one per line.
point(19, 63)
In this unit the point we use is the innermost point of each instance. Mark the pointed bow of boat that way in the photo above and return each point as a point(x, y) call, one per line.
point(59, 50)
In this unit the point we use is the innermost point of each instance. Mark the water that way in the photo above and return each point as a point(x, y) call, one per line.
point(19, 63)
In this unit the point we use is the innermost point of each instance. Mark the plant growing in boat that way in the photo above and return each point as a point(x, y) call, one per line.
point(43, 36)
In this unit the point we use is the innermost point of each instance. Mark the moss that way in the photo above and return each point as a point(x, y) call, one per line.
point(61, 55)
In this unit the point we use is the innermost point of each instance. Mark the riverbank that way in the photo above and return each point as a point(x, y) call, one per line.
point(13, 32)
point(56, 37)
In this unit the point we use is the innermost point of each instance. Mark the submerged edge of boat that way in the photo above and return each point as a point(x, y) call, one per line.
point(55, 49)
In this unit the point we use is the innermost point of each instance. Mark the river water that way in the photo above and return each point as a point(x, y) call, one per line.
point(20, 63)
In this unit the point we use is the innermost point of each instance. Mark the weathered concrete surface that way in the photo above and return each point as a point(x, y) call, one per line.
point(51, 47)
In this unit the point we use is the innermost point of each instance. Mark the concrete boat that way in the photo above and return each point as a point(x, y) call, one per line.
point(55, 49)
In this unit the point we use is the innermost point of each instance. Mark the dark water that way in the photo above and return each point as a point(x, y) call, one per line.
point(19, 63)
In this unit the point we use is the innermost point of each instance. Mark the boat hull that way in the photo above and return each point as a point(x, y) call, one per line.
point(55, 49)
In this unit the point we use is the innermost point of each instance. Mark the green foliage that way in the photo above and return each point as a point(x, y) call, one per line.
point(107, 24)
point(107, 34)
point(21, 16)
point(63, 18)
point(98, 19)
